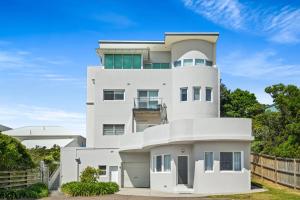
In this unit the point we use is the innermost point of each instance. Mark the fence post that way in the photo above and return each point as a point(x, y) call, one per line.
point(295, 175)
point(275, 167)
point(261, 167)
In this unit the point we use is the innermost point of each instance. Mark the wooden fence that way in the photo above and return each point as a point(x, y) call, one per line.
point(283, 171)
point(14, 179)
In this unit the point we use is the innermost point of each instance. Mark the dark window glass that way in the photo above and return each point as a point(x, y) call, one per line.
point(199, 61)
point(108, 95)
point(177, 63)
point(208, 94)
point(226, 161)
point(109, 61)
point(183, 94)
point(102, 169)
point(209, 63)
point(158, 163)
point(127, 61)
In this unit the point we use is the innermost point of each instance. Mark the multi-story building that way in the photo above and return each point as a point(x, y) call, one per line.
point(153, 119)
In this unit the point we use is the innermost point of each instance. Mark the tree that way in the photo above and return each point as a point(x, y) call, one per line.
point(13, 155)
point(241, 103)
point(90, 175)
point(224, 98)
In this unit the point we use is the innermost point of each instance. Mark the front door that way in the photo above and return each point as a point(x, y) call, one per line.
point(182, 173)
point(113, 174)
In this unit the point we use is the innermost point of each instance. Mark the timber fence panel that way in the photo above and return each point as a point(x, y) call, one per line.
point(22, 178)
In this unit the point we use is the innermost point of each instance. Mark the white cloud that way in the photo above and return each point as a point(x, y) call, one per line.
point(278, 24)
point(224, 12)
point(265, 65)
point(27, 115)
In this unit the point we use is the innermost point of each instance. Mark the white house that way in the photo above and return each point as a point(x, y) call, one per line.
point(46, 136)
point(153, 119)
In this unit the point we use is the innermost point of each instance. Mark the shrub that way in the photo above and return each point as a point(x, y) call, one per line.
point(34, 191)
point(13, 155)
point(89, 189)
point(89, 175)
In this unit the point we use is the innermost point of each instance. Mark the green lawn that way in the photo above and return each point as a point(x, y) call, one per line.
point(275, 192)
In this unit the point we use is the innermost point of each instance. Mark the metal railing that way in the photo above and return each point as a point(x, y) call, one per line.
point(151, 103)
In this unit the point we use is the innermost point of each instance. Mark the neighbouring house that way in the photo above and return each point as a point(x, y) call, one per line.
point(46, 136)
point(153, 119)
point(4, 128)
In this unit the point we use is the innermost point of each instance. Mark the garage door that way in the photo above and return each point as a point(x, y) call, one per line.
point(136, 174)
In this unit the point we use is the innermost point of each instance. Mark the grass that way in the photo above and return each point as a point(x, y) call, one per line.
point(275, 192)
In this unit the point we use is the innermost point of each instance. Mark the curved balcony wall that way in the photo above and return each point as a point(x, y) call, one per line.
point(189, 131)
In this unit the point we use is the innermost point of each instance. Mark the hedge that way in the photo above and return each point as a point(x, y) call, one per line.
point(89, 189)
point(34, 191)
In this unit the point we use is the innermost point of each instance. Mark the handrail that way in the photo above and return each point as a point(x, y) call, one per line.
point(147, 103)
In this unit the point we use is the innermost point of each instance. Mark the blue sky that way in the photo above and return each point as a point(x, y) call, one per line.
point(45, 47)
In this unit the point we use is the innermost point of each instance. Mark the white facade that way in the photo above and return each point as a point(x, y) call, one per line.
point(131, 139)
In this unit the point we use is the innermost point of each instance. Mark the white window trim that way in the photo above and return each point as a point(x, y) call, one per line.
point(114, 129)
point(187, 94)
point(200, 99)
point(232, 171)
point(213, 170)
point(105, 171)
point(212, 94)
point(114, 100)
point(162, 163)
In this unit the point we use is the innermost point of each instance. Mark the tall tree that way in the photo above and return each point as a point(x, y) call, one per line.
point(224, 98)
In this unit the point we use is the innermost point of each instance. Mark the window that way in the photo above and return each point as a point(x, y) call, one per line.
point(157, 66)
point(113, 129)
point(158, 164)
point(208, 94)
point(167, 163)
point(177, 63)
point(187, 62)
point(113, 94)
point(196, 93)
point(161, 163)
point(209, 161)
point(199, 61)
point(148, 99)
point(183, 94)
point(208, 63)
point(102, 170)
point(122, 61)
point(230, 161)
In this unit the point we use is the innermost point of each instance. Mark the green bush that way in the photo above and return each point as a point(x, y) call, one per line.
point(89, 189)
point(89, 175)
point(34, 191)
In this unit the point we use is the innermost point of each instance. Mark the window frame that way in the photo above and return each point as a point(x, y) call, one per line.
point(114, 94)
point(154, 163)
point(113, 130)
point(180, 94)
point(233, 162)
point(105, 171)
point(213, 159)
point(211, 94)
point(197, 87)
point(200, 64)
point(191, 64)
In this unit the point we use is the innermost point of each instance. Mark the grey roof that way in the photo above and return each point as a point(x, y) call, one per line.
point(4, 128)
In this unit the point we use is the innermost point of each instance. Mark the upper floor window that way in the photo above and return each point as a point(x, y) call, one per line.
point(208, 94)
point(209, 63)
point(157, 66)
point(122, 61)
point(113, 129)
point(230, 161)
point(196, 93)
point(177, 63)
point(183, 94)
point(148, 99)
point(113, 94)
point(199, 62)
point(187, 62)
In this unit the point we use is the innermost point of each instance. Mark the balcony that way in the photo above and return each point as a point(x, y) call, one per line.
point(147, 103)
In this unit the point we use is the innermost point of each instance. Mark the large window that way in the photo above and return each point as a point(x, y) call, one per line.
point(209, 161)
point(148, 99)
point(196, 93)
point(122, 61)
point(113, 94)
point(230, 161)
point(183, 94)
point(161, 163)
point(157, 66)
point(113, 129)
point(208, 94)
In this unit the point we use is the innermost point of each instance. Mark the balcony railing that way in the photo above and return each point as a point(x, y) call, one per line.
point(151, 103)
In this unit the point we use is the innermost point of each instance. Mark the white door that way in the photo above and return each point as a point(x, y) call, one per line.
point(113, 174)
